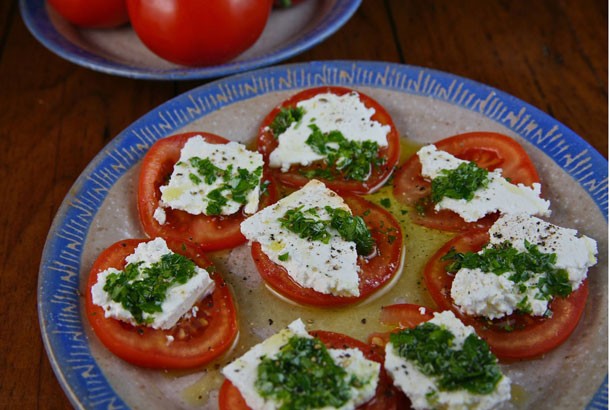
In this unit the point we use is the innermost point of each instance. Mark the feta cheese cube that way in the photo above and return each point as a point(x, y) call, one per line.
point(179, 299)
point(243, 372)
point(329, 112)
point(488, 294)
point(188, 190)
point(331, 267)
point(498, 196)
point(423, 390)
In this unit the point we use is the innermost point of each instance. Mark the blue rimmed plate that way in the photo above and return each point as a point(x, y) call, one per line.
point(119, 51)
point(426, 105)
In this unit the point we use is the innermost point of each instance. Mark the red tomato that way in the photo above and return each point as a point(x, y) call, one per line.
point(198, 33)
point(293, 177)
point(386, 397)
point(92, 13)
point(375, 270)
point(488, 150)
point(197, 340)
point(208, 232)
point(531, 336)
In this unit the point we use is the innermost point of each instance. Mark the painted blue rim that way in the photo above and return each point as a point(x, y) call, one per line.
point(37, 20)
point(58, 290)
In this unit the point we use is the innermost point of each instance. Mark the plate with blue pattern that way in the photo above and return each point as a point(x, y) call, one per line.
point(426, 105)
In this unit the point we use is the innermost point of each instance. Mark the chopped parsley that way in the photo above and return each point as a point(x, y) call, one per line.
point(355, 159)
point(308, 225)
point(429, 347)
point(522, 266)
point(236, 185)
point(285, 118)
point(303, 376)
point(143, 290)
point(459, 183)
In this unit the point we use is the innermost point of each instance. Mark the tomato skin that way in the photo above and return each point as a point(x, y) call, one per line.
point(210, 233)
point(375, 271)
point(488, 150)
point(267, 143)
point(387, 397)
point(92, 13)
point(196, 342)
point(532, 336)
point(198, 33)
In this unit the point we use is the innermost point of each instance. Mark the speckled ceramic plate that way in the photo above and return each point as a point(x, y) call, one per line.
point(119, 51)
point(426, 106)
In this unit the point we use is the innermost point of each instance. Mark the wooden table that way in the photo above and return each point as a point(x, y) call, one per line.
point(55, 116)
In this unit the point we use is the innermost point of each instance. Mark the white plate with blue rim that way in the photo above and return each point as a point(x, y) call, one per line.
point(426, 105)
point(289, 32)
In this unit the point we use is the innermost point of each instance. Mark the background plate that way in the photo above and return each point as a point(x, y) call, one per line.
point(119, 51)
point(426, 105)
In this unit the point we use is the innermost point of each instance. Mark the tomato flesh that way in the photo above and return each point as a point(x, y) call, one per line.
point(488, 150)
point(517, 336)
point(267, 143)
point(387, 397)
point(210, 233)
point(375, 270)
point(196, 340)
point(198, 33)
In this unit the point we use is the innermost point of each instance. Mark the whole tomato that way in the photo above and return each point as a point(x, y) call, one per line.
point(197, 32)
point(92, 13)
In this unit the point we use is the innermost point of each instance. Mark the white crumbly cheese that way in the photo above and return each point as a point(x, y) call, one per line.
point(487, 294)
point(243, 371)
point(327, 268)
point(329, 112)
point(498, 196)
point(184, 193)
point(420, 388)
point(179, 298)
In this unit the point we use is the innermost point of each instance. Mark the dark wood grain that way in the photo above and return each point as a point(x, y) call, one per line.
point(55, 117)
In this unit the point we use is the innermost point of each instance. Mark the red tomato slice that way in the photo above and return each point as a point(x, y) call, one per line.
point(488, 150)
point(92, 13)
point(375, 271)
point(210, 233)
point(197, 340)
point(531, 336)
point(267, 143)
point(387, 397)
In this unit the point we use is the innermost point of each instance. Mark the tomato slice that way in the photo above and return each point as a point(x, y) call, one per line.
point(294, 177)
point(375, 271)
point(210, 233)
point(488, 150)
point(197, 340)
point(399, 316)
point(387, 397)
point(528, 336)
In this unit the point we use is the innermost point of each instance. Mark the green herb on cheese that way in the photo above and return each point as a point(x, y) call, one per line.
point(303, 375)
point(459, 183)
point(522, 266)
point(431, 348)
point(143, 290)
point(308, 225)
point(355, 159)
point(285, 118)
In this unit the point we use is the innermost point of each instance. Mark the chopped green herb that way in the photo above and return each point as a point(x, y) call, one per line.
point(206, 169)
point(196, 180)
point(386, 203)
point(236, 186)
point(504, 257)
point(285, 118)
point(355, 159)
point(304, 376)
point(308, 225)
point(143, 290)
point(473, 368)
point(284, 257)
point(459, 183)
